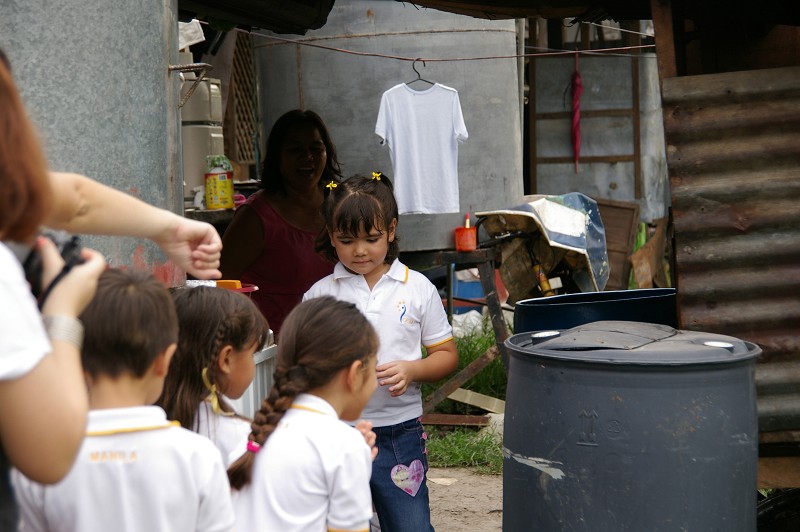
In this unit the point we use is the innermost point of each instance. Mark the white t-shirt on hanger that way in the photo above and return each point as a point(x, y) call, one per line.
point(423, 129)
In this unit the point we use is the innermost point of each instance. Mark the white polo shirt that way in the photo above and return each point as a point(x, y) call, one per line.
point(135, 471)
point(228, 432)
point(406, 310)
point(311, 475)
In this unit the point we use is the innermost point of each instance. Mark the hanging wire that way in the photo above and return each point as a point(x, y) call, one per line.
point(599, 51)
point(643, 34)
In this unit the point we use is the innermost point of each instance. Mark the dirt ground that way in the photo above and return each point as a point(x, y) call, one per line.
point(463, 501)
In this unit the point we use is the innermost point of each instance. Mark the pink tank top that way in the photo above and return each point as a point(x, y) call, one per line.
point(287, 266)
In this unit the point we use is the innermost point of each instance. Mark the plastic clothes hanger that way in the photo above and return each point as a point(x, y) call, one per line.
point(419, 76)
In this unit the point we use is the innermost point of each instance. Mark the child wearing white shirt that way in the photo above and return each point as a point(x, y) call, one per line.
point(406, 310)
point(135, 470)
point(220, 330)
point(306, 470)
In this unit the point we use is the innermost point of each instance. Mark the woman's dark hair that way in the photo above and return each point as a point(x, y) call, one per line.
point(209, 318)
point(359, 202)
point(129, 322)
point(319, 338)
point(271, 178)
point(24, 180)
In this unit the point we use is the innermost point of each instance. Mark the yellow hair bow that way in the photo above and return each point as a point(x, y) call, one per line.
point(213, 398)
point(376, 176)
point(331, 185)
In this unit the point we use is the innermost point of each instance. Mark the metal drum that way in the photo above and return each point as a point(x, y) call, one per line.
point(628, 426)
point(651, 305)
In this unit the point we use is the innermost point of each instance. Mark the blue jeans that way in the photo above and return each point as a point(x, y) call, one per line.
point(397, 510)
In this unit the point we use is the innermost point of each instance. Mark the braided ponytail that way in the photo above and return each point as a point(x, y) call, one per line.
point(209, 319)
point(319, 338)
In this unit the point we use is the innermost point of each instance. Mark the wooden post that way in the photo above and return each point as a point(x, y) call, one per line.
point(665, 38)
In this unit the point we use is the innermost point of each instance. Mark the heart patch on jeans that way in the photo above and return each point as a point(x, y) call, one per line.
point(408, 478)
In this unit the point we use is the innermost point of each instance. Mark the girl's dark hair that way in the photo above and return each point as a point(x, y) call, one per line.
point(359, 202)
point(129, 322)
point(271, 178)
point(26, 197)
point(209, 318)
point(319, 338)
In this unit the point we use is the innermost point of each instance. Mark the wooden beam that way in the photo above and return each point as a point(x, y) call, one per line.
point(486, 402)
point(665, 38)
point(455, 420)
point(532, 117)
point(637, 138)
point(589, 113)
point(486, 272)
point(588, 159)
point(779, 472)
point(460, 378)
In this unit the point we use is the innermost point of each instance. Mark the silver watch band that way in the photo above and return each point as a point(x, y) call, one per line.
point(65, 328)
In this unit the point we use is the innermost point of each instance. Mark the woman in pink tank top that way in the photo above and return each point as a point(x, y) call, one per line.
point(270, 241)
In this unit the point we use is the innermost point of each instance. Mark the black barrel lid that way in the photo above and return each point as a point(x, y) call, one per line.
point(629, 342)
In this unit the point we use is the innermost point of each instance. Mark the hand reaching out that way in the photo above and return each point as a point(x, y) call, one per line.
point(194, 246)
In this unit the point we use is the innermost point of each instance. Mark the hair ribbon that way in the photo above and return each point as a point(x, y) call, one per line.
point(213, 398)
point(376, 176)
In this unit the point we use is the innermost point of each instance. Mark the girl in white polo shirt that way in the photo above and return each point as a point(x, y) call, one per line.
point(306, 470)
point(406, 310)
point(220, 330)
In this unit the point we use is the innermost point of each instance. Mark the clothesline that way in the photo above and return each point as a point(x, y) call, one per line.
point(623, 30)
point(600, 51)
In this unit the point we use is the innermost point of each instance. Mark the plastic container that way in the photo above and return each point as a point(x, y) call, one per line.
point(652, 305)
point(466, 290)
point(466, 238)
point(629, 426)
point(219, 190)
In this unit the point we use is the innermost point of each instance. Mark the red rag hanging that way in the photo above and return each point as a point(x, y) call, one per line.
point(577, 90)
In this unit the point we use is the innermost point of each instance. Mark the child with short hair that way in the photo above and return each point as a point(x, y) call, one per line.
point(135, 470)
point(306, 470)
point(219, 332)
point(406, 309)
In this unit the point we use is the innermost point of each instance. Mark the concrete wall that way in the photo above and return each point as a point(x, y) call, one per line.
point(346, 91)
point(94, 77)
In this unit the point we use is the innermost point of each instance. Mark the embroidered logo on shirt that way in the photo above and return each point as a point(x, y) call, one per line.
point(402, 309)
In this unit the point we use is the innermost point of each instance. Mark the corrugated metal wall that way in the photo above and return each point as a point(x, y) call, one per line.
point(733, 152)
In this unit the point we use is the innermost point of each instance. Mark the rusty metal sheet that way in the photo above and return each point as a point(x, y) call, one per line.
point(733, 153)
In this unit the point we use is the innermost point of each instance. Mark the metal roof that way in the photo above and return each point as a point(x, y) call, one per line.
point(717, 12)
point(734, 164)
point(286, 16)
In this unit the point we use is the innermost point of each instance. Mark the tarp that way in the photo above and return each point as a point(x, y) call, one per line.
point(567, 235)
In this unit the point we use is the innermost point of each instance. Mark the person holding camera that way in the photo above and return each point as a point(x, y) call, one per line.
point(41, 378)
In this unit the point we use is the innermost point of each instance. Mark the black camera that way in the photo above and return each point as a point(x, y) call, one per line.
point(68, 245)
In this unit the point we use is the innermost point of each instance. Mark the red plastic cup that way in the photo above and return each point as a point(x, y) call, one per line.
point(466, 238)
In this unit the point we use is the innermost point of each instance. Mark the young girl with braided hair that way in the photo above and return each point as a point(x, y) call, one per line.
point(306, 470)
point(405, 308)
point(220, 330)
